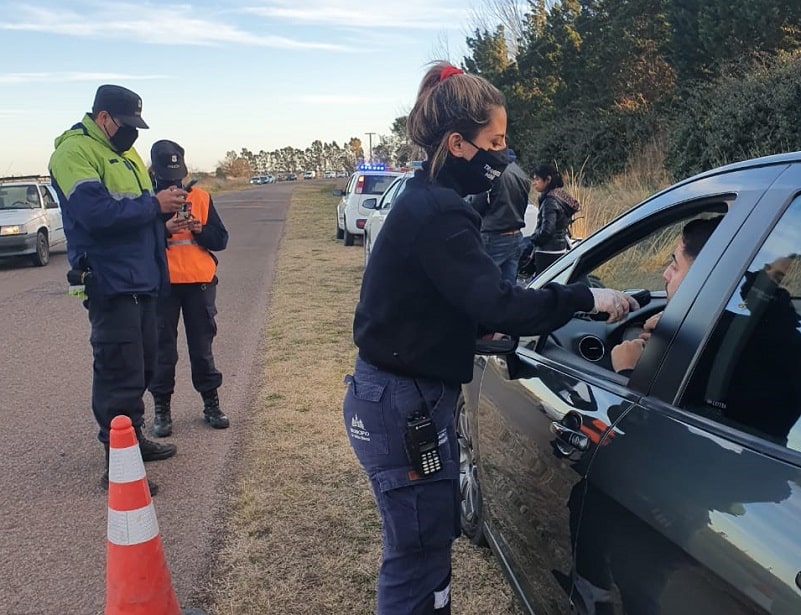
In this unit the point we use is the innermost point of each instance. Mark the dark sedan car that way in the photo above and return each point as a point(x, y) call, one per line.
point(677, 488)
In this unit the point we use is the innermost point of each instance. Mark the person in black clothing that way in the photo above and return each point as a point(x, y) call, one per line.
point(768, 343)
point(556, 210)
point(191, 235)
point(428, 287)
point(504, 217)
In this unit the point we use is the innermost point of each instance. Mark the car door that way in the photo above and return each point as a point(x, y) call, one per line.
point(343, 201)
point(710, 480)
point(385, 205)
point(550, 411)
point(52, 211)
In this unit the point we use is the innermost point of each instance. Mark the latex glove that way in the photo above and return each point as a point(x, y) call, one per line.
point(613, 302)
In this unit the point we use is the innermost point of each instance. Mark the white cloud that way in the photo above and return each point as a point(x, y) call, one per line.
point(156, 25)
point(412, 14)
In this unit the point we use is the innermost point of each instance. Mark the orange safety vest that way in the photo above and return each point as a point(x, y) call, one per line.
point(189, 262)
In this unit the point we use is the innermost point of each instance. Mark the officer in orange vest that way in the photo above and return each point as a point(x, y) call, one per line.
point(191, 235)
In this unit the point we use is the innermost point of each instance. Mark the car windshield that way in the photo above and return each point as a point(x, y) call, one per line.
point(18, 197)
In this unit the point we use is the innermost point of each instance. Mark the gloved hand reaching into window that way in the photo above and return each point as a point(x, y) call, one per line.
point(613, 302)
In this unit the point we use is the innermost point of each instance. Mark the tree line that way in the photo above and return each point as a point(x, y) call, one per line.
point(591, 84)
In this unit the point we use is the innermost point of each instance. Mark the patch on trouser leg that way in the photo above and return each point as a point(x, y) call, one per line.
point(442, 598)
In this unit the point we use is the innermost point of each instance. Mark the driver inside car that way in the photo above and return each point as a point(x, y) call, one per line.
point(693, 237)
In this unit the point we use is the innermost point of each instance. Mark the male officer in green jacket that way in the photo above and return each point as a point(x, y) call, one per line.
point(115, 235)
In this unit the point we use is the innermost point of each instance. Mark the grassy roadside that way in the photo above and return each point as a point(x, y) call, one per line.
point(304, 536)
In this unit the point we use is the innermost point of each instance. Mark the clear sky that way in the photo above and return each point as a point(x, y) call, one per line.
point(219, 76)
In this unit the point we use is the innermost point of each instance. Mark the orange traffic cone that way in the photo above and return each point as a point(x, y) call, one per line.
point(137, 578)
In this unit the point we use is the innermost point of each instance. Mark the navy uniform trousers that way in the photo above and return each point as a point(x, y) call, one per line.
point(197, 303)
point(123, 338)
point(420, 517)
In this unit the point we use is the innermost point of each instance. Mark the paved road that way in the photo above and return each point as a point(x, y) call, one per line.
point(52, 509)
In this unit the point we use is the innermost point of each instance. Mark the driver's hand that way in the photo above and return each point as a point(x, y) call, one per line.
point(649, 326)
point(613, 302)
point(626, 354)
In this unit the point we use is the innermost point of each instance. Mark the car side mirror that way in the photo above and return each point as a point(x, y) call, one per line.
point(503, 346)
point(338, 192)
point(370, 203)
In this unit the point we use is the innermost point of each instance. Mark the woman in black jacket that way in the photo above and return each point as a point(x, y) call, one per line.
point(556, 210)
point(427, 287)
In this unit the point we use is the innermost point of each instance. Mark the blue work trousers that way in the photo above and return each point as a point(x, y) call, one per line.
point(505, 250)
point(123, 341)
point(420, 516)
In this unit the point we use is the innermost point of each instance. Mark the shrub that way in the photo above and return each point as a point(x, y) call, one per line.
point(751, 110)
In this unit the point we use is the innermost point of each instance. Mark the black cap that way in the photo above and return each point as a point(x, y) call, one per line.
point(121, 103)
point(167, 160)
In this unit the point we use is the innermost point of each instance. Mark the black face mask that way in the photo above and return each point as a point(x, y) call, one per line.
point(124, 138)
point(478, 174)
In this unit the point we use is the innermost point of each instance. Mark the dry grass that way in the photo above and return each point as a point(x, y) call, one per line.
point(305, 536)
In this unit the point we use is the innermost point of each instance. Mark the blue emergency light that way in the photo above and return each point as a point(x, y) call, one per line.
point(371, 167)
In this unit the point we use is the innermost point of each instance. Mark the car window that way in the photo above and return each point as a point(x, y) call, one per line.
point(377, 184)
point(641, 264)
point(19, 197)
point(749, 374)
point(389, 195)
point(351, 182)
point(47, 196)
point(632, 258)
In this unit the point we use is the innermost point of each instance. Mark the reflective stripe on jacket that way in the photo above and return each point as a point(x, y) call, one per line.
point(188, 261)
point(111, 218)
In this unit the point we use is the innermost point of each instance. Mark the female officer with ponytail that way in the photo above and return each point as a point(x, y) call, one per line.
point(427, 287)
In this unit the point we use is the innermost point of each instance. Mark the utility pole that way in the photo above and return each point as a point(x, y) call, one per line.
point(370, 137)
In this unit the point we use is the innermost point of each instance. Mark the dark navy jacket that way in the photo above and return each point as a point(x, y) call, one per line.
point(429, 284)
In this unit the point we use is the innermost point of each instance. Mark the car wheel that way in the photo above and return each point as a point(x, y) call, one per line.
point(472, 504)
point(347, 237)
point(340, 232)
point(42, 255)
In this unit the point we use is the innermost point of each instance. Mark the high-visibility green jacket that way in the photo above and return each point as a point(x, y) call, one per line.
point(111, 217)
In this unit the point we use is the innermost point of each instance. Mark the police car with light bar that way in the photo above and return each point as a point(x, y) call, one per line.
point(368, 181)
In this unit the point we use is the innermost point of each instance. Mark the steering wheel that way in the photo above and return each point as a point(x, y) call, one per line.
point(23, 203)
point(591, 338)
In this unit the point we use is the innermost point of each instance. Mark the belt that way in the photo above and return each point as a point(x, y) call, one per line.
point(515, 232)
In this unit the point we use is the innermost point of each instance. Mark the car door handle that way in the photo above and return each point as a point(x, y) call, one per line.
point(574, 439)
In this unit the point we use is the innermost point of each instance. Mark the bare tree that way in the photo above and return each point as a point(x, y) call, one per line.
point(511, 14)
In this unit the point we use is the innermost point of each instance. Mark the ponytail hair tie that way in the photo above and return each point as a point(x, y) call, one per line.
point(450, 71)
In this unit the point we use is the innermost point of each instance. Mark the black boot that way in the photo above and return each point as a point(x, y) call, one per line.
point(153, 451)
point(162, 421)
point(154, 488)
point(211, 410)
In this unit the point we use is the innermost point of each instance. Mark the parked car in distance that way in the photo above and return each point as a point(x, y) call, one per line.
point(380, 208)
point(342, 174)
point(329, 174)
point(30, 218)
point(291, 177)
point(677, 488)
point(262, 179)
point(309, 174)
point(368, 181)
